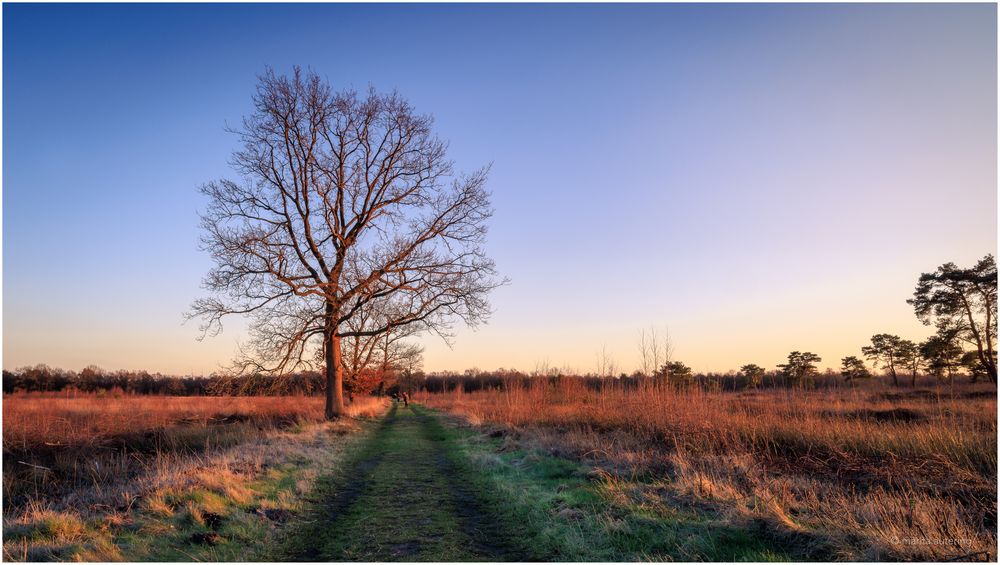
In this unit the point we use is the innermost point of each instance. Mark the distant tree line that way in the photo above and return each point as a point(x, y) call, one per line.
point(379, 380)
point(960, 303)
point(679, 376)
point(42, 378)
point(799, 372)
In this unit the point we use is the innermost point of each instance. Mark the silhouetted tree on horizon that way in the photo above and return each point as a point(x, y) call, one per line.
point(909, 358)
point(964, 303)
point(800, 368)
point(853, 369)
point(942, 355)
point(754, 374)
point(885, 349)
point(676, 373)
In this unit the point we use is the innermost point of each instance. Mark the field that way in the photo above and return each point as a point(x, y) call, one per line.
point(88, 476)
point(874, 473)
point(550, 470)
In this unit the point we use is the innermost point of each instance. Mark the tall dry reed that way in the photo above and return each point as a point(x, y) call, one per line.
point(55, 443)
point(869, 472)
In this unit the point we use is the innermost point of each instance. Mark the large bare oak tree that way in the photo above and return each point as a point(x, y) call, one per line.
point(346, 209)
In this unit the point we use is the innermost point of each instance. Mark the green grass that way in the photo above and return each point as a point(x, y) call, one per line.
point(565, 512)
point(153, 536)
point(413, 488)
point(412, 491)
point(243, 533)
point(402, 497)
point(186, 522)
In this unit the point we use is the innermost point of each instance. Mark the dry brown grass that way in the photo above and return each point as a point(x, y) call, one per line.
point(141, 464)
point(57, 443)
point(63, 419)
point(865, 473)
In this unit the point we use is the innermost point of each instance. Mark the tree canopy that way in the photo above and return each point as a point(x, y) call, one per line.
point(962, 303)
point(800, 368)
point(885, 349)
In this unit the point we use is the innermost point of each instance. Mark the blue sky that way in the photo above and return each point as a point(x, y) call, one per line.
point(756, 178)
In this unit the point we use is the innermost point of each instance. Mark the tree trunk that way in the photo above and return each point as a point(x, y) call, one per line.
point(991, 368)
point(334, 377)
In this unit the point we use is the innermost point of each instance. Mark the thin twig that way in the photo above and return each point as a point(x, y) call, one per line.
point(35, 466)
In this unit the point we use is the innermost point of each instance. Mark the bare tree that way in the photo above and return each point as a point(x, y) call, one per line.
point(666, 347)
point(645, 363)
point(655, 350)
point(606, 366)
point(372, 362)
point(345, 204)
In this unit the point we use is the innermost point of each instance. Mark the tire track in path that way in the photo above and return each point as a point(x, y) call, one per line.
point(406, 497)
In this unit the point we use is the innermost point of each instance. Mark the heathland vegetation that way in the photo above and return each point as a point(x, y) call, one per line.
point(623, 470)
point(131, 477)
point(762, 464)
point(865, 473)
point(347, 236)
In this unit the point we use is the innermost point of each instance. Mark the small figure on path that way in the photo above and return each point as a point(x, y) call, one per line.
point(406, 399)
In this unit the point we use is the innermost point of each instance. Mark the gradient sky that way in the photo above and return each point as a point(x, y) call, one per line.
point(758, 179)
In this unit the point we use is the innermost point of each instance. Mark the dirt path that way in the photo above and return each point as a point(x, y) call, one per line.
point(406, 498)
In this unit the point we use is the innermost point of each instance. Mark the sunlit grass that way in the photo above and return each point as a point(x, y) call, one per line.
point(861, 472)
point(189, 478)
